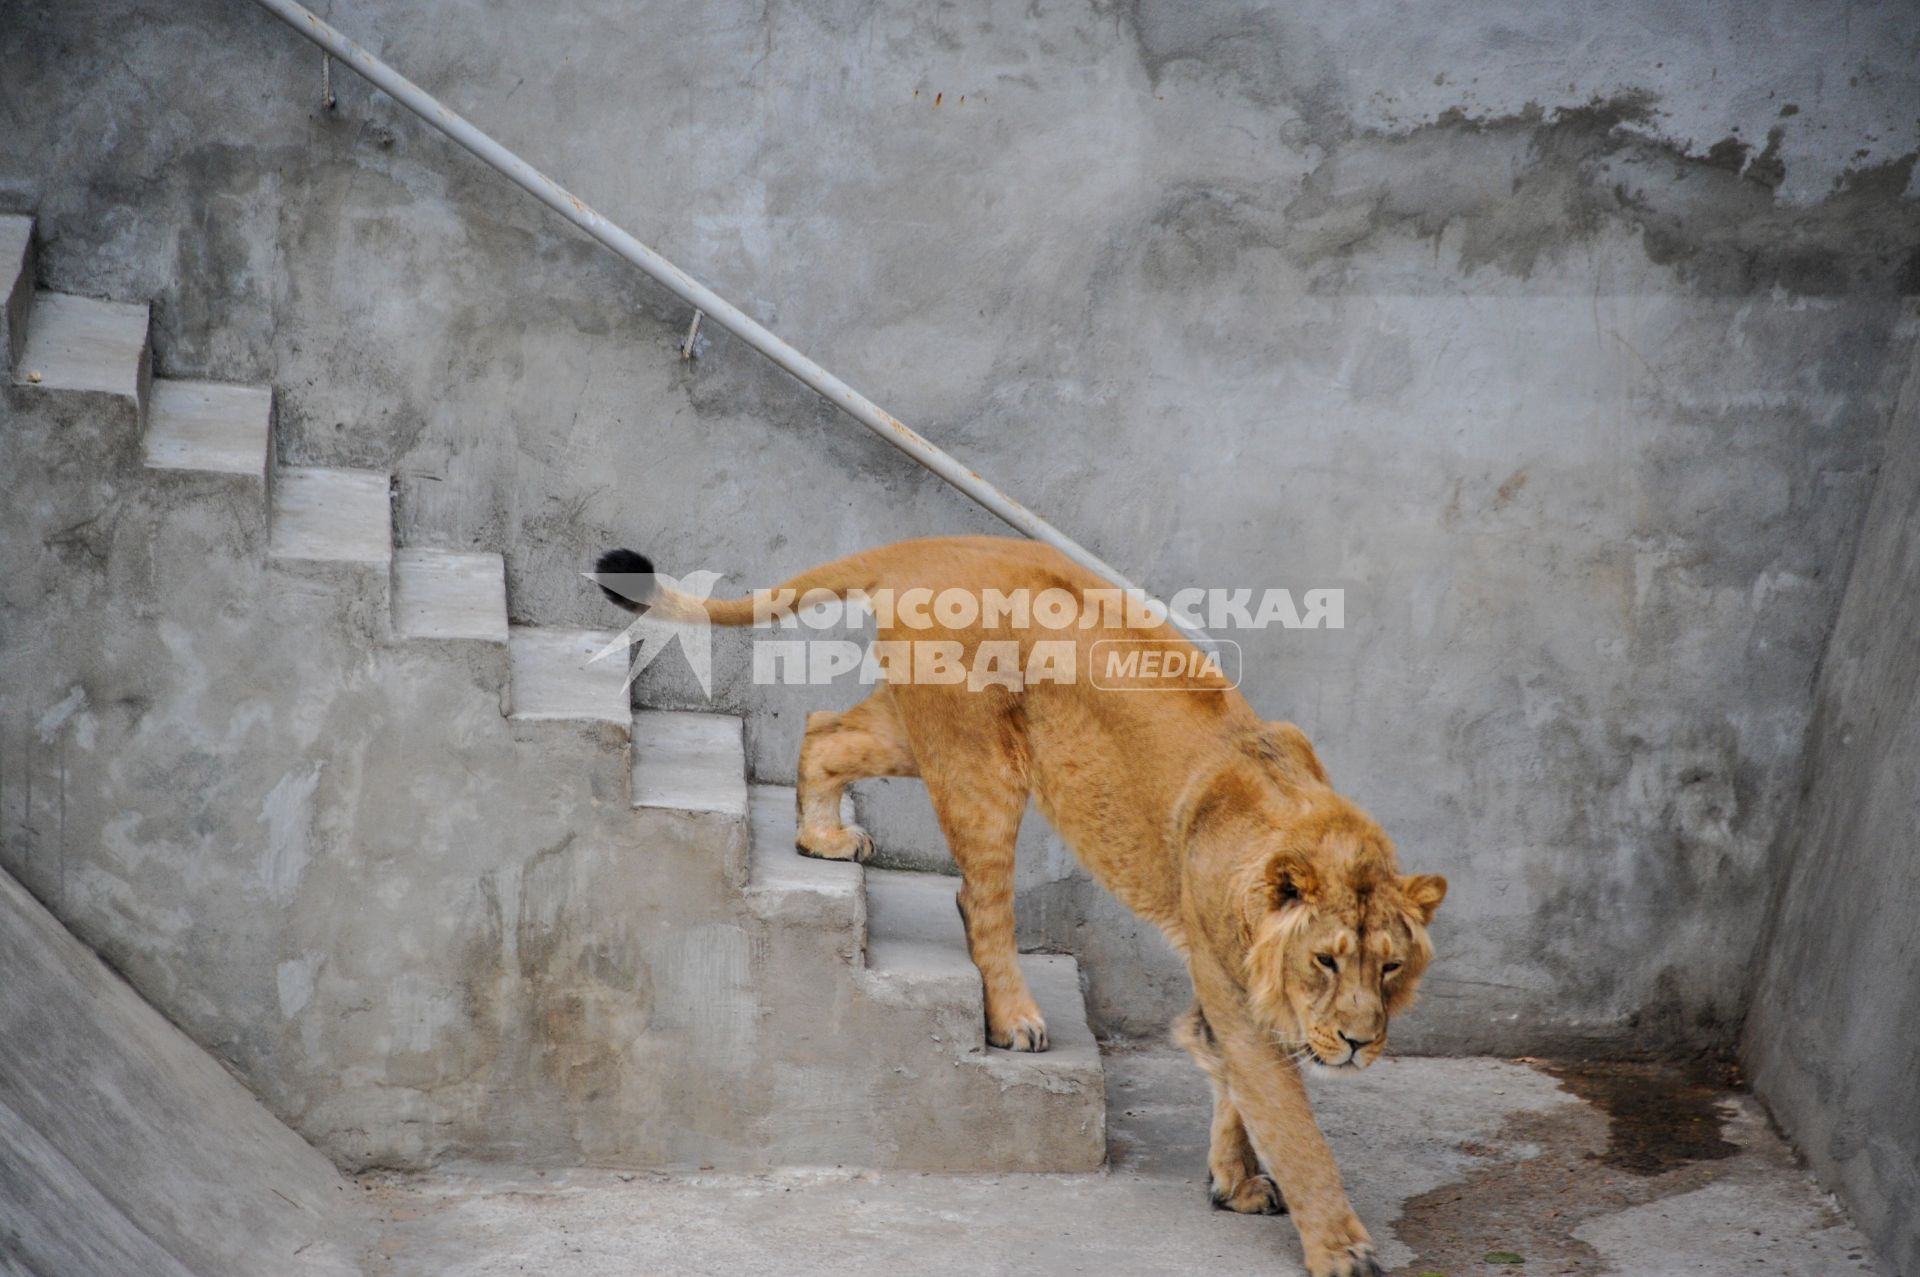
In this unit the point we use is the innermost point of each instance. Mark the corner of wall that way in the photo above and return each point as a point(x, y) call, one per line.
point(1830, 1030)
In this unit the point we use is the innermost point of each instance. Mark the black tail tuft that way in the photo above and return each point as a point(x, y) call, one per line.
point(626, 578)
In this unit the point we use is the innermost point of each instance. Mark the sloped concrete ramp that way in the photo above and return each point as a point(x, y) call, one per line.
point(125, 1148)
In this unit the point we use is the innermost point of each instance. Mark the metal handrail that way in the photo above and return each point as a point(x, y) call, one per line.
point(725, 313)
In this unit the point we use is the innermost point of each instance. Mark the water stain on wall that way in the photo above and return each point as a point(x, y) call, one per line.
point(1518, 188)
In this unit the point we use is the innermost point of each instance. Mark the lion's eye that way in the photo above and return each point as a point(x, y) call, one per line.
point(1327, 960)
point(1388, 968)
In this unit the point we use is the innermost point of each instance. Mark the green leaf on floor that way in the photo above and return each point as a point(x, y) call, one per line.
point(1503, 1257)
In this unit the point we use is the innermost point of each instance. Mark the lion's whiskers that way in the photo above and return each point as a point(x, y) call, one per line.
point(1294, 1055)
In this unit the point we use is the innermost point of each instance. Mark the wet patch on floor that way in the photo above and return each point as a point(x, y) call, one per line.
point(1641, 1135)
point(1658, 1119)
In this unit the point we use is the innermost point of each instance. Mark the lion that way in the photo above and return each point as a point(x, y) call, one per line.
point(1302, 936)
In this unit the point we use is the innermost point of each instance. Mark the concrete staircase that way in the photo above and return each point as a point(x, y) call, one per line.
point(329, 518)
point(860, 1040)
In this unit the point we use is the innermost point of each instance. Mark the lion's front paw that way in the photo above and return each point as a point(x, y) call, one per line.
point(1351, 1261)
point(1254, 1195)
point(1024, 1031)
point(1355, 1259)
point(848, 842)
point(1346, 1251)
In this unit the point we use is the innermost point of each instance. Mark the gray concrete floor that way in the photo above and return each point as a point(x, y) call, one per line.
point(1586, 1169)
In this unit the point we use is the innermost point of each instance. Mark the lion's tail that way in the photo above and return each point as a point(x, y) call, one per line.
point(628, 579)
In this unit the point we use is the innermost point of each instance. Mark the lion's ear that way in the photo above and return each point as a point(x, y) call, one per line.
point(1286, 749)
point(1289, 878)
point(1424, 892)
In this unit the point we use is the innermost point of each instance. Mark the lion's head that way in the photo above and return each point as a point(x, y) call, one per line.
point(1335, 937)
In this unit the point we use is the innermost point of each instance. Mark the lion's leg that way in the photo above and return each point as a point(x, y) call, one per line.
point(1264, 1084)
point(979, 811)
point(867, 740)
point(1234, 1178)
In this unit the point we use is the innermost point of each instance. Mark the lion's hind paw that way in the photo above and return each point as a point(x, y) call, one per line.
point(1254, 1195)
point(1023, 1033)
point(849, 842)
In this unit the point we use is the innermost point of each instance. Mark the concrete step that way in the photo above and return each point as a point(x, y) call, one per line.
point(905, 1028)
point(917, 949)
point(798, 891)
point(915, 932)
point(16, 286)
point(341, 516)
point(689, 761)
point(124, 1147)
point(688, 788)
point(555, 676)
point(79, 344)
point(1073, 1054)
point(449, 594)
point(914, 929)
point(209, 425)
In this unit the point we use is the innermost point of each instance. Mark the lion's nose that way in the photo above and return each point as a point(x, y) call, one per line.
point(1355, 1044)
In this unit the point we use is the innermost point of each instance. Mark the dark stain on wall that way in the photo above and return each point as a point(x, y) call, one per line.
point(1515, 188)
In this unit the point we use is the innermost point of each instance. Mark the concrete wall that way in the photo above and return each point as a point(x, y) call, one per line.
point(1832, 1038)
point(124, 1148)
point(1563, 339)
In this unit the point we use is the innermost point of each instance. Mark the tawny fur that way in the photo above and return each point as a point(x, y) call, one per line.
point(1219, 828)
